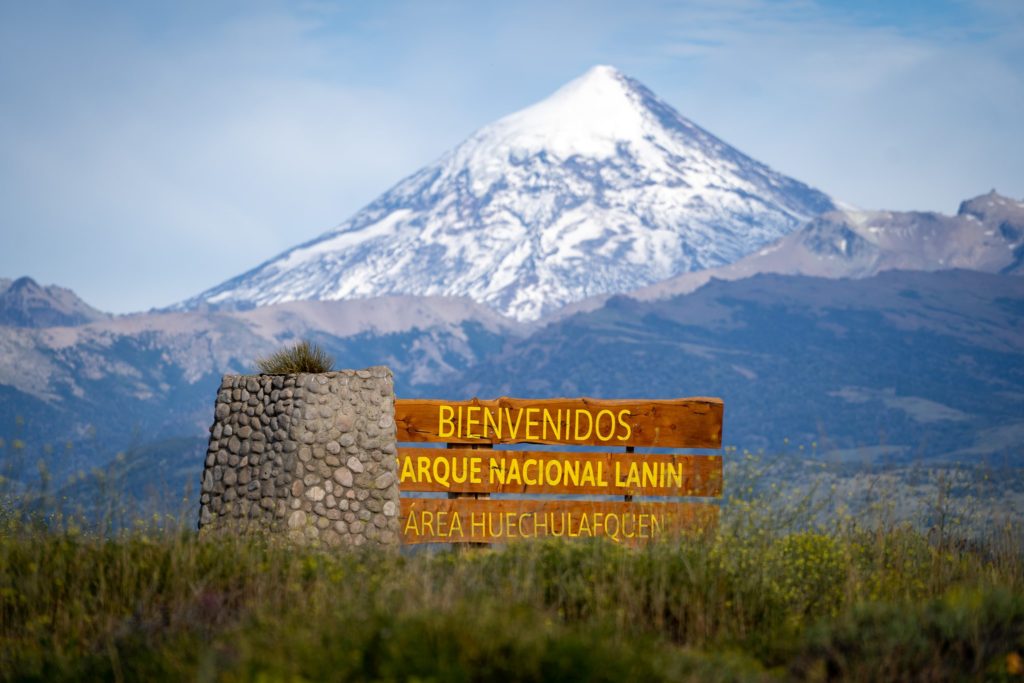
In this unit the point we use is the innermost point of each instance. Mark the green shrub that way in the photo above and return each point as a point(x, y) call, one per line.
point(152, 605)
point(303, 356)
point(807, 571)
point(769, 596)
point(964, 634)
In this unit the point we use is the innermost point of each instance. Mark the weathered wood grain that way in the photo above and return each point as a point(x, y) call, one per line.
point(465, 470)
point(465, 520)
point(675, 423)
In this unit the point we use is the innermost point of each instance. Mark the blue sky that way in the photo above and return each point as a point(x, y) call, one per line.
point(151, 150)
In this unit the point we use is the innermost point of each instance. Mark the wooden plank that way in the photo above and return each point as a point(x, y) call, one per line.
point(465, 520)
point(467, 470)
point(675, 423)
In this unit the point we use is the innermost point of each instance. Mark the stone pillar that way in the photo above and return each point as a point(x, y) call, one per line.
point(307, 456)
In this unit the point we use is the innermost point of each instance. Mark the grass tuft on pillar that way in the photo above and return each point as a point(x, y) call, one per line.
point(303, 356)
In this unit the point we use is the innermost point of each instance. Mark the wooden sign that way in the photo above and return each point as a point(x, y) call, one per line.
point(465, 470)
point(678, 423)
point(471, 470)
point(468, 520)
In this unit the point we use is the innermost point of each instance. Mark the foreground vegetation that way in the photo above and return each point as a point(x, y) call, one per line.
point(759, 600)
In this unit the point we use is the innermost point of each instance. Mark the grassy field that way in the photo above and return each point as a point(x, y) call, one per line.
point(765, 598)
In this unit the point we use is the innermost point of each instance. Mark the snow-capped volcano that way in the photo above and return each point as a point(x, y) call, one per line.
point(600, 188)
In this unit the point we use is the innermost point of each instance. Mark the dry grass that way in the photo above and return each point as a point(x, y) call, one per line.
point(303, 356)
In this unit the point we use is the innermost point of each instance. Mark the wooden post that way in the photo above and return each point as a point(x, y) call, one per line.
point(477, 496)
point(628, 498)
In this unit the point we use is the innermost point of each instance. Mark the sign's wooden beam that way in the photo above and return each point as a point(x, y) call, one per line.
point(466, 520)
point(675, 423)
point(466, 470)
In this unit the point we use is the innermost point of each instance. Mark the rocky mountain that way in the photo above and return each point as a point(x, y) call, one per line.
point(906, 365)
point(986, 234)
point(24, 303)
point(600, 188)
point(897, 366)
point(128, 381)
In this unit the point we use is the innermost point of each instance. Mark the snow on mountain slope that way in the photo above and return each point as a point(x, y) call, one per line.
point(600, 188)
point(986, 234)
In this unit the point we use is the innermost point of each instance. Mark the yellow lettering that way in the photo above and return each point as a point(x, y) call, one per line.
point(611, 425)
point(571, 472)
point(474, 472)
point(585, 526)
point(513, 472)
point(456, 525)
point(490, 424)
point(476, 523)
point(554, 423)
point(410, 524)
point(561, 531)
point(626, 425)
point(531, 423)
point(442, 472)
point(423, 469)
point(612, 533)
point(530, 481)
point(633, 476)
point(428, 523)
point(632, 532)
point(458, 430)
point(513, 428)
point(442, 421)
point(675, 475)
point(442, 526)
point(553, 472)
point(456, 477)
point(511, 524)
point(590, 424)
point(470, 421)
point(537, 525)
point(588, 473)
point(408, 471)
point(650, 474)
point(490, 526)
point(497, 471)
point(618, 474)
point(524, 531)
point(601, 481)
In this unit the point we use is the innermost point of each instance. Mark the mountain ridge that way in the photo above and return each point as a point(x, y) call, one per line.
point(986, 234)
point(26, 303)
point(929, 364)
point(101, 385)
point(201, 343)
point(900, 358)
